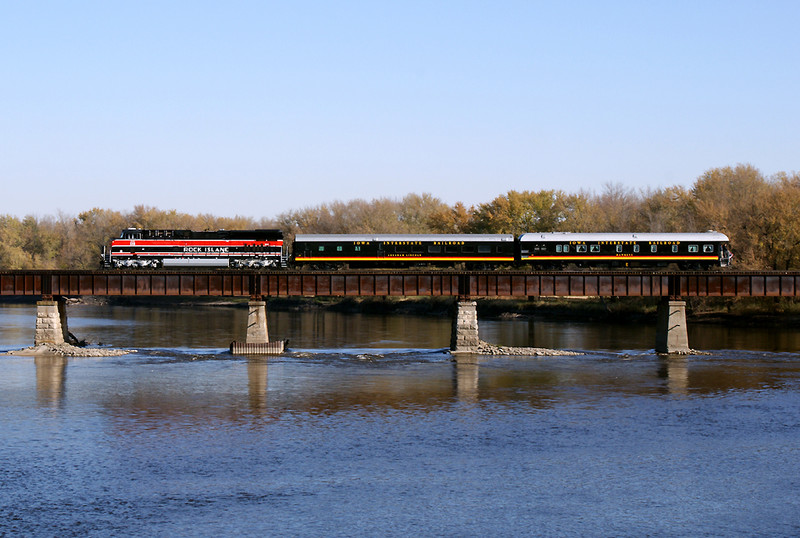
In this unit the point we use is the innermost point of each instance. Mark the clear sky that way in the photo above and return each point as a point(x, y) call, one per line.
point(256, 108)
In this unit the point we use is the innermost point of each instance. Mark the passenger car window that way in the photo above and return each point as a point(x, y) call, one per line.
point(580, 248)
point(708, 248)
point(653, 248)
point(594, 248)
point(619, 248)
point(674, 248)
point(693, 248)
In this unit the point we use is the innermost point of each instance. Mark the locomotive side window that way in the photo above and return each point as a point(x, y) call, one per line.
point(708, 248)
point(693, 248)
point(594, 248)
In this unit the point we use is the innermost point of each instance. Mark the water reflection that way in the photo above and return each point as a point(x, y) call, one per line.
point(257, 381)
point(50, 380)
point(218, 389)
point(675, 369)
point(465, 378)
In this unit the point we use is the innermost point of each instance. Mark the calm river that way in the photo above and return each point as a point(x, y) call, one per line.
point(367, 428)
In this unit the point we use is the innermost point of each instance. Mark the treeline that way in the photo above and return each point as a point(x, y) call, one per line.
point(758, 213)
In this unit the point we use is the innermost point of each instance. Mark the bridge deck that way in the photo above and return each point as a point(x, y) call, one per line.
point(402, 283)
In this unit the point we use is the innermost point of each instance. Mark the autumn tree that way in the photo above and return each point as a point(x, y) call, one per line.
point(519, 212)
point(451, 220)
point(667, 210)
point(726, 200)
point(12, 251)
point(776, 225)
point(417, 212)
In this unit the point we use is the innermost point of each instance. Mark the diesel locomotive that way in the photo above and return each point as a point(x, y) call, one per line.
point(541, 250)
point(185, 248)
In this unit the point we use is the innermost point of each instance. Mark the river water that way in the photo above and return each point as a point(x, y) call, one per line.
point(368, 428)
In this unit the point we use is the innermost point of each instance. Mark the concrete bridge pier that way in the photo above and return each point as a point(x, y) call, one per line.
point(257, 338)
point(257, 332)
point(671, 333)
point(51, 322)
point(464, 336)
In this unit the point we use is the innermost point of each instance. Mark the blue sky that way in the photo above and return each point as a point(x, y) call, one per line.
point(256, 108)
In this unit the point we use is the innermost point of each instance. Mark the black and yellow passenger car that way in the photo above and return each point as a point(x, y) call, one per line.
point(371, 250)
point(683, 250)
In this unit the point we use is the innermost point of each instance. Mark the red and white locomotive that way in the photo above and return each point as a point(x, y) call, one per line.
point(185, 248)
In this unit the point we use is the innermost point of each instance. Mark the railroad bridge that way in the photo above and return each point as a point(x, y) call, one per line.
point(465, 286)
